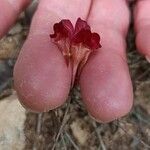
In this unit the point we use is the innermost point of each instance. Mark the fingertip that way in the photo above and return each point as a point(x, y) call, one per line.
point(9, 11)
point(41, 77)
point(110, 113)
point(142, 27)
point(142, 41)
point(106, 88)
point(105, 80)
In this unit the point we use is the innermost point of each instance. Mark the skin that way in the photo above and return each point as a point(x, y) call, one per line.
point(41, 77)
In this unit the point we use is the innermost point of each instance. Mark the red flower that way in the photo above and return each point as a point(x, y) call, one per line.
point(63, 29)
point(76, 44)
point(83, 34)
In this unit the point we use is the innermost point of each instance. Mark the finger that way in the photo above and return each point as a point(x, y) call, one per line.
point(105, 81)
point(9, 11)
point(42, 78)
point(142, 27)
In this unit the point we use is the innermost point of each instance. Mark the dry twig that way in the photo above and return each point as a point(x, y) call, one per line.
point(63, 141)
point(102, 144)
point(134, 137)
point(61, 127)
point(72, 142)
point(38, 128)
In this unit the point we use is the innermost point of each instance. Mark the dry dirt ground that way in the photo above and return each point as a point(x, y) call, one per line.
point(70, 127)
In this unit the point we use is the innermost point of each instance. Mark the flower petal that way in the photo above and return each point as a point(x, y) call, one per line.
point(81, 36)
point(76, 44)
point(93, 41)
point(63, 29)
point(80, 25)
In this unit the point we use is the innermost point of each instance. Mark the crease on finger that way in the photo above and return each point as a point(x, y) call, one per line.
point(90, 8)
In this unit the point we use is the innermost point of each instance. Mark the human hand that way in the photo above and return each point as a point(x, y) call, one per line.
point(42, 79)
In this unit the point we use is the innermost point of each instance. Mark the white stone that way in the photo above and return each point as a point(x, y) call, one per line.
point(12, 118)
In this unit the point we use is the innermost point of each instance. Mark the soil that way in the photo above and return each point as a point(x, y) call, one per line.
point(70, 127)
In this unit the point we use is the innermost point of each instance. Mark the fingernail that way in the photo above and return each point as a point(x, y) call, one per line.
point(99, 121)
point(147, 58)
point(102, 121)
point(26, 108)
point(31, 110)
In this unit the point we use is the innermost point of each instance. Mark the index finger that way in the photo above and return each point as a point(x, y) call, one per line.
point(9, 11)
